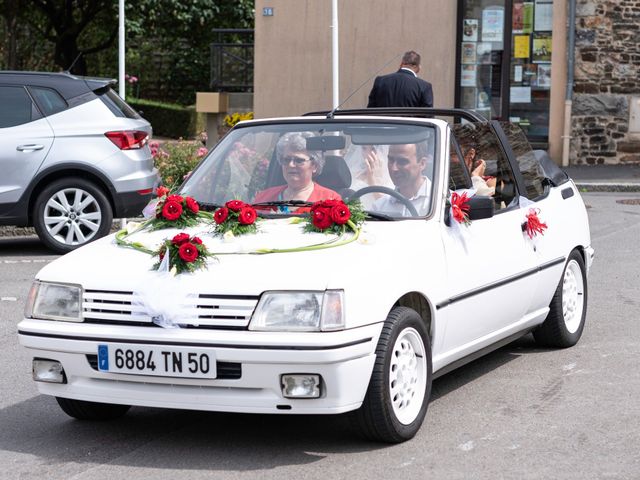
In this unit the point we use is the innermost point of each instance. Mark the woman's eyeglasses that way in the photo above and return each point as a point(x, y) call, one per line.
point(297, 161)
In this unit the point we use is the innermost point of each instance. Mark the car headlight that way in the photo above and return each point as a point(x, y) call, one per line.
point(54, 301)
point(299, 311)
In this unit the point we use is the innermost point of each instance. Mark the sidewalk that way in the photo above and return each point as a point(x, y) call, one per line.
point(605, 178)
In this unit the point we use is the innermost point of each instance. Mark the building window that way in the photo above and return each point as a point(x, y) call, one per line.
point(504, 67)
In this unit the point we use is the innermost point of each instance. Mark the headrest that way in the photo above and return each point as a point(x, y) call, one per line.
point(335, 174)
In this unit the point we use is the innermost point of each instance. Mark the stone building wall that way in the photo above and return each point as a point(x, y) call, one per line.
point(607, 76)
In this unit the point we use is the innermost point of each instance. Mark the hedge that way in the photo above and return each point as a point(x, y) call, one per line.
point(169, 120)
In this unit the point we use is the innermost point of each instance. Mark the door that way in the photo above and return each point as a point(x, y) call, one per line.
point(491, 269)
point(25, 140)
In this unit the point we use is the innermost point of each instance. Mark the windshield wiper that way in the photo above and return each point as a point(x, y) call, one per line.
point(284, 203)
point(208, 207)
point(378, 216)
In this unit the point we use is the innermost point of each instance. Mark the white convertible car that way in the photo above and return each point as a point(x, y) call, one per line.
point(463, 239)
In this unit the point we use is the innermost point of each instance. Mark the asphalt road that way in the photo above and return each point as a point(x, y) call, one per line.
point(518, 413)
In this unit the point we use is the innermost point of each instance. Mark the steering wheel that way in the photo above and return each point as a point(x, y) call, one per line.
point(387, 191)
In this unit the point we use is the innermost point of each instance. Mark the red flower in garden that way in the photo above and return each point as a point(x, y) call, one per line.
point(340, 213)
point(175, 198)
point(221, 215)
point(180, 238)
point(162, 191)
point(460, 207)
point(533, 225)
point(192, 205)
point(171, 210)
point(321, 218)
point(234, 205)
point(188, 252)
point(247, 215)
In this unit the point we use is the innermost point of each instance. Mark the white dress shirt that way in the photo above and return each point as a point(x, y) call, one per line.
point(392, 206)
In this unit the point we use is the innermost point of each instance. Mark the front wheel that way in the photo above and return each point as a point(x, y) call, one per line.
point(398, 394)
point(568, 309)
point(83, 410)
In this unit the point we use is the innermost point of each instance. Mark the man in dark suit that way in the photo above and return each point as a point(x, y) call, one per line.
point(402, 88)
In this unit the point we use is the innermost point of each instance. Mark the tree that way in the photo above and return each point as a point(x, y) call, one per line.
point(74, 27)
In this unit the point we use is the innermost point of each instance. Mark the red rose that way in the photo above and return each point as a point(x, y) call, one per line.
point(234, 205)
point(331, 202)
point(321, 218)
point(192, 205)
point(180, 238)
point(188, 252)
point(162, 191)
point(196, 240)
point(247, 215)
point(163, 250)
point(340, 214)
point(171, 210)
point(221, 215)
point(175, 198)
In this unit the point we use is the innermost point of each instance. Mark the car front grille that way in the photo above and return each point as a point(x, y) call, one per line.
point(225, 370)
point(228, 312)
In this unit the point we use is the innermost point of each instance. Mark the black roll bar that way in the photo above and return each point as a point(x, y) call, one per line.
point(468, 115)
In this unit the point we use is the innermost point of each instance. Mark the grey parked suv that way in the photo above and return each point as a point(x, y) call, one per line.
point(73, 155)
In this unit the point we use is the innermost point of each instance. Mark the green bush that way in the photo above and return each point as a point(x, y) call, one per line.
point(174, 160)
point(168, 119)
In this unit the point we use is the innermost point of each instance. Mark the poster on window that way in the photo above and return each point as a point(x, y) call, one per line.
point(469, 30)
point(517, 18)
point(468, 52)
point(468, 97)
point(527, 17)
point(468, 76)
point(541, 47)
point(484, 100)
point(544, 75)
point(492, 24)
point(520, 94)
point(544, 15)
point(521, 46)
point(484, 52)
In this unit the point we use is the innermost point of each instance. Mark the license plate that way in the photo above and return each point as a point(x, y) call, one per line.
point(157, 360)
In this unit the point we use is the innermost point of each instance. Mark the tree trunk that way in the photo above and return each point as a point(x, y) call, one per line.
point(12, 8)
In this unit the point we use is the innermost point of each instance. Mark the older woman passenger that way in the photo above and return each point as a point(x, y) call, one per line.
point(299, 167)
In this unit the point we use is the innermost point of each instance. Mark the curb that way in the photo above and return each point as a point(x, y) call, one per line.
point(607, 187)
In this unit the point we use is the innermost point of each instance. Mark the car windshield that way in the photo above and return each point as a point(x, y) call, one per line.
point(283, 168)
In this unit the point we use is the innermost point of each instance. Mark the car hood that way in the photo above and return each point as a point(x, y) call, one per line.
point(237, 269)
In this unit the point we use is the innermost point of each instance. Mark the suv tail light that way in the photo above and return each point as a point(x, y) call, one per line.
point(128, 139)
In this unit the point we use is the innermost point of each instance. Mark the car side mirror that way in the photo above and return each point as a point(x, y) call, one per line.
point(480, 207)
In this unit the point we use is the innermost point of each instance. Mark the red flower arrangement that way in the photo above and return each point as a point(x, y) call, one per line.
point(460, 207)
point(186, 253)
point(331, 216)
point(533, 226)
point(236, 217)
point(174, 211)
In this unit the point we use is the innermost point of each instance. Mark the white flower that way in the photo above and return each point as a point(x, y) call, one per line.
point(173, 271)
point(228, 236)
point(132, 227)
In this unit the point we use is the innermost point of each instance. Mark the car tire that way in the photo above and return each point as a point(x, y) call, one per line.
point(83, 410)
point(568, 309)
point(396, 401)
point(71, 212)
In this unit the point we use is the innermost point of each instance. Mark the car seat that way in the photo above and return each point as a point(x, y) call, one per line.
point(336, 175)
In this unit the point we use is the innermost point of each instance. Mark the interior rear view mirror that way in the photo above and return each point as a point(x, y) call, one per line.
point(328, 142)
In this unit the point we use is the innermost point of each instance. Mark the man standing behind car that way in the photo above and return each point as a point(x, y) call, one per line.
point(402, 88)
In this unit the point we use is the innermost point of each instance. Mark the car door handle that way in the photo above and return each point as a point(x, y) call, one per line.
point(29, 148)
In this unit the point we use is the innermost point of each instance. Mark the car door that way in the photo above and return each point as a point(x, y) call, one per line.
point(490, 266)
point(25, 140)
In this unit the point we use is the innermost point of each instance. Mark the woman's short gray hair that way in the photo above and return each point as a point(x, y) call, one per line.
point(297, 142)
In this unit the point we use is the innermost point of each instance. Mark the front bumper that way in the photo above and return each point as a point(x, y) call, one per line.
point(344, 360)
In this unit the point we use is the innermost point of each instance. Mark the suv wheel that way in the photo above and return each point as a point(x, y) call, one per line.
point(70, 213)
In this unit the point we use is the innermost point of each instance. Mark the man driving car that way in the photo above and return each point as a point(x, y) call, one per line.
point(407, 164)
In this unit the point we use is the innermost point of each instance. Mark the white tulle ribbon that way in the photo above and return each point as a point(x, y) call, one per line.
point(166, 298)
